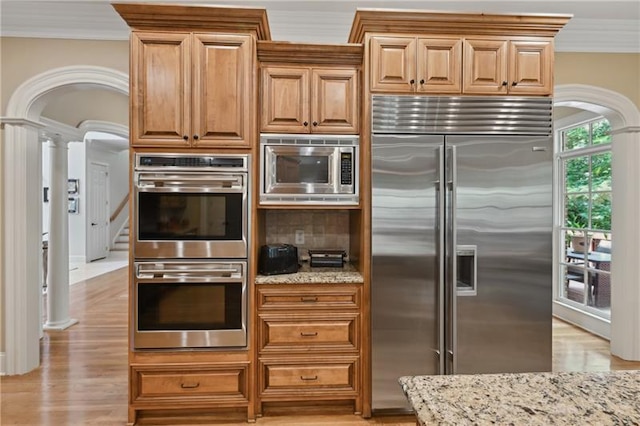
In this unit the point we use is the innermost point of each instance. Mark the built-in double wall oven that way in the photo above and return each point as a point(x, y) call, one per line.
point(190, 247)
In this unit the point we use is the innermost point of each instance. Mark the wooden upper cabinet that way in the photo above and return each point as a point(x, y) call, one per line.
point(519, 67)
point(334, 100)
point(393, 64)
point(285, 100)
point(416, 64)
point(531, 67)
point(191, 90)
point(160, 89)
point(222, 74)
point(309, 100)
point(439, 65)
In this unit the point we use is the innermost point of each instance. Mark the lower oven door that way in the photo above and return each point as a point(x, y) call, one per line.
point(190, 305)
point(190, 215)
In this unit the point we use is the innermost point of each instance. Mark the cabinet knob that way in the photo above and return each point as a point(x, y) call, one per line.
point(196, 137)
point(515, 83)
point(305, 124)
point(315, 123)
point(422, 81)
point(185, 137)
point(412, 82)
point(504, 83)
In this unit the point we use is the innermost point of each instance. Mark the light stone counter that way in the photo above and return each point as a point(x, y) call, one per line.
point(607, 398)
point(309, 275)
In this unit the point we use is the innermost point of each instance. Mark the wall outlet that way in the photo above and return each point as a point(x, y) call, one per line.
point(299, 236)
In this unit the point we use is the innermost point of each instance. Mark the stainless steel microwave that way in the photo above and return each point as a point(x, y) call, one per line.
point(308, 169)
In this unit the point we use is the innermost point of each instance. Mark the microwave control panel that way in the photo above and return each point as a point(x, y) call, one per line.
point(346, 168)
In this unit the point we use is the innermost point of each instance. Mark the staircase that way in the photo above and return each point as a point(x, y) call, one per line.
point(121, 242)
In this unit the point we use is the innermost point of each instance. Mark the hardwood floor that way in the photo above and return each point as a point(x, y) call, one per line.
point(83, 376)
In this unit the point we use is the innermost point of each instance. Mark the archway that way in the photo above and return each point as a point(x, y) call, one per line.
point(624, 117)
point(21, 183)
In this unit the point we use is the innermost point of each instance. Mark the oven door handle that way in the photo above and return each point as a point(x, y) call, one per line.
point(199, 272)
point(145, 181)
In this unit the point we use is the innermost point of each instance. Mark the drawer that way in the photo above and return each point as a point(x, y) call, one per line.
point(220, 384)
point(309, 332)
point(320, 296)
point(299, 378)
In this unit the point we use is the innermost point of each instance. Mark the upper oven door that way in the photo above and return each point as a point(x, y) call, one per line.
point(190, 215)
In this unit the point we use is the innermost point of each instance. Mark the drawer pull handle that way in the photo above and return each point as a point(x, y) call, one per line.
point(309, 299)
point(189, 385)
point(309, 378)
point(312, 334)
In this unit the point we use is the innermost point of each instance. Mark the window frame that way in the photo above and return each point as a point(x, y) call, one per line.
point(562, 264)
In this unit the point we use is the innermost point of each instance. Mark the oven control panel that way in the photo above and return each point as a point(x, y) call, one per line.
point(186, 161)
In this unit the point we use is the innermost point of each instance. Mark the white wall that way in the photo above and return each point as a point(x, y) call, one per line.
point(77, 222)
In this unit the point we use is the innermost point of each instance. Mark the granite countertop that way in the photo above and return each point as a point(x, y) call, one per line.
point(309, 275)
point(604, 398)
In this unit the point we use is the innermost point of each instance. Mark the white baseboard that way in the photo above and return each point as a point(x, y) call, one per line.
point(77, 259)
point(592, 323)
point(3, 367)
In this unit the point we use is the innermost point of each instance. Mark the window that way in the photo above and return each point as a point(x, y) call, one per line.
point(584, 168)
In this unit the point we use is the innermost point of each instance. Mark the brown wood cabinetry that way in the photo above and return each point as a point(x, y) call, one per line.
point(309, 343)
point(191, 89)
point(416, 64)
point(309, 100)
point(309, 88)
point(486, 66)
point(500, 66)
point(189, 384)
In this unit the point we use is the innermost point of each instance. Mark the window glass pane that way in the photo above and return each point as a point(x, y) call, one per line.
point(600, 132)
point(576, 175)
point(577, 137)
point(576, 211)
point(601, 172)
point(601, 211)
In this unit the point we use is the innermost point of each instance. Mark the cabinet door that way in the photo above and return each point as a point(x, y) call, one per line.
point(393, 64)
point(485, 67)
point(222, 86)
point(334, 101)
point(160, 89)
point(439, 65)
point(531, 67)
point(285, 100)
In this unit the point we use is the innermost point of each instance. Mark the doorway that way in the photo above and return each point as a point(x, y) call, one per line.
point(98, 211)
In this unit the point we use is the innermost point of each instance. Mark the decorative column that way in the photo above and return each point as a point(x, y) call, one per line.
point(58, 282)
point(21, 244)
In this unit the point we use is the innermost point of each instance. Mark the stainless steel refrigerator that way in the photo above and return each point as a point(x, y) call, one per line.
point(461, 238)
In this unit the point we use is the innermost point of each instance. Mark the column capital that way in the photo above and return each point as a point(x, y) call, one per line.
point(56, 141)
point(20, 121)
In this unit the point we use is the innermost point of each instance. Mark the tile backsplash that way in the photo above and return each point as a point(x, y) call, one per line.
point(325, 229)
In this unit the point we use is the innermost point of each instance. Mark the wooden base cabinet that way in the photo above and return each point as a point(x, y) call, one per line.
point(309, 343)
point(182, 382)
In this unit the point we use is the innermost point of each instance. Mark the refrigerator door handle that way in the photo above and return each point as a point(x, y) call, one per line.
point(452, 267)
point(440, 221)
